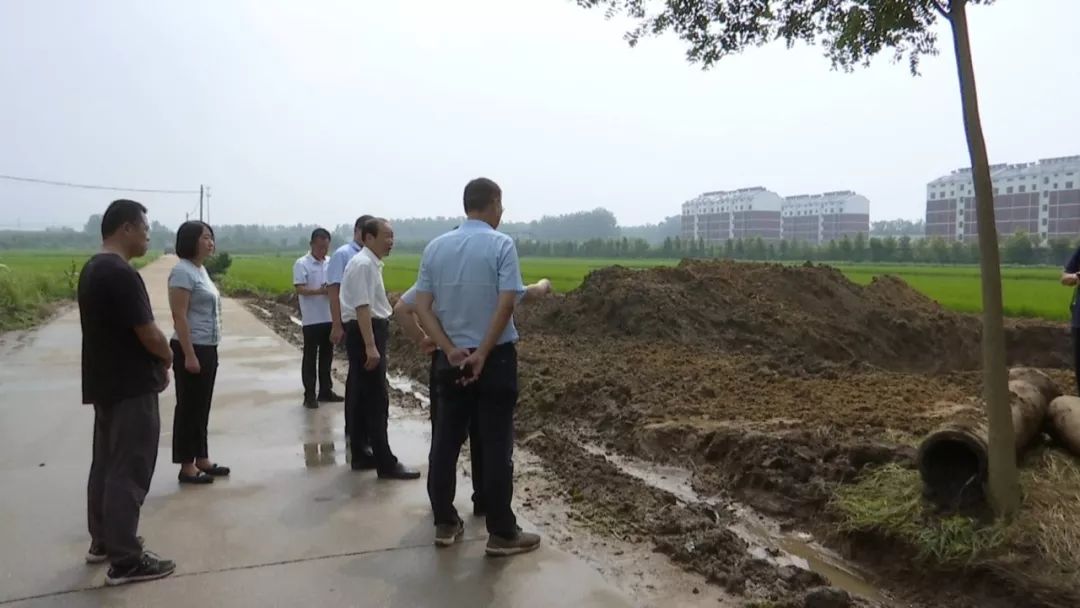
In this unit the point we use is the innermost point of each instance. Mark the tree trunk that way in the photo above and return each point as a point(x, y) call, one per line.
point(1004, 484)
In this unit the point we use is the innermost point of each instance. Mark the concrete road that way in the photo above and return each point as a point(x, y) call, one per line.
point(293, 526)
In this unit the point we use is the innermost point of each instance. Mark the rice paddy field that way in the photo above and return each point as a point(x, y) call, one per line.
point(1029, 291)
point(31, 282)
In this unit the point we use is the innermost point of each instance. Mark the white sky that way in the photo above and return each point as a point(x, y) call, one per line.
point(318, 111)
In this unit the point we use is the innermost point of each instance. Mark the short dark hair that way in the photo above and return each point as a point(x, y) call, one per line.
point(320, 233)
point(372, 227)
point(360, 221)
point(120, 212)
point(187, 238)
point(480, 193)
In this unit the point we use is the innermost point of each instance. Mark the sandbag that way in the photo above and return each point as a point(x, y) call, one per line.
point(1063, 423)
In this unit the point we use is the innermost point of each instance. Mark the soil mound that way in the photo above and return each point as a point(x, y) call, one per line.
point(804, 316)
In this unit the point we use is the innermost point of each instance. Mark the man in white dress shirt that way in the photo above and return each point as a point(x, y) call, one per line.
point(365, 313)
point(309, 279)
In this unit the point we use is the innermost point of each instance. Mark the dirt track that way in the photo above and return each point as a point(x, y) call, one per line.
point(772, 384)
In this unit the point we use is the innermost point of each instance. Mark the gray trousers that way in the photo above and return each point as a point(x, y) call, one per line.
point(126, 437)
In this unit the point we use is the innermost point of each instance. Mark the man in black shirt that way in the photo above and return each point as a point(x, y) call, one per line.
point(125, 361)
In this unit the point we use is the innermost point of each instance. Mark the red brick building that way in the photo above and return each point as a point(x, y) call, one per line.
point(745, 214)
point(820, 218)
point(750, 213)
point(1040, 198)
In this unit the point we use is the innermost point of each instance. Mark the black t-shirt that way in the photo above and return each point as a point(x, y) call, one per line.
point(112, 303)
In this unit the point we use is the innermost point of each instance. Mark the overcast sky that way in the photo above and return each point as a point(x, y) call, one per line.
point(318, 111)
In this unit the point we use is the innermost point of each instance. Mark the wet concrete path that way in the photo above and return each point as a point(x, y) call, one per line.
point(293, 526)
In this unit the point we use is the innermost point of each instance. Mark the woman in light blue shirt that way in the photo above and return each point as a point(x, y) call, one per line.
point(196, 311)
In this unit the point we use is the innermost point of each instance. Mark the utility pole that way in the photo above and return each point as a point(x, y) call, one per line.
point(208, 204)
point(200, 202)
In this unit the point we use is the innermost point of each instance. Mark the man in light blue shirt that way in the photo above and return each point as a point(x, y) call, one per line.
point(335, 271)
point(405, 313)
point(468, 285)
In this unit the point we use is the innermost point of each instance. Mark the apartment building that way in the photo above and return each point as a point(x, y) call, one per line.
point(1041, 198)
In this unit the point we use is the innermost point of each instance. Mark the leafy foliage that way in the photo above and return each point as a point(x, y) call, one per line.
point(218, 264)
point(852, 32)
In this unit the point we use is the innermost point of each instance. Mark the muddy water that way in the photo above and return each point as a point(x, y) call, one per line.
point(406, 385)
point(764, 536)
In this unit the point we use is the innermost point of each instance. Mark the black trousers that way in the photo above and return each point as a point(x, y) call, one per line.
point(317, 348)
point(358, 435)
point(371, 410)
point(126, 437)
point(476, 449)
point(491, 401)
point(194, 392)
point(1076, 356)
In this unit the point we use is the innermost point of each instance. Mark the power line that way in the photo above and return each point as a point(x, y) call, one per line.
point(94, 187)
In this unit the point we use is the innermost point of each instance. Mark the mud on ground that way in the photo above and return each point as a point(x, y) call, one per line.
point(772, 384)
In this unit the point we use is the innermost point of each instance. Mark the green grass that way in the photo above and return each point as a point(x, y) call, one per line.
point(31, 281)
point(1028, 291)
point(272, 274)
point(888, 501)
point(1037, 551)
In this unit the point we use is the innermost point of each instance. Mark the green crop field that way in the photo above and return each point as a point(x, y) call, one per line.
point(272, 274)
point(1029, 291)
point(32, 280)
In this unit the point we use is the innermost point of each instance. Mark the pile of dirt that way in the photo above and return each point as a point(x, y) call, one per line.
point(772, 383)
point(804, 316)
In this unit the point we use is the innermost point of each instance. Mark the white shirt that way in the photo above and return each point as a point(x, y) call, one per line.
point(311, 273)
point(362, 285)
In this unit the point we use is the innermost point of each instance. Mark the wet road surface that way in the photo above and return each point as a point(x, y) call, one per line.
point(293, 526)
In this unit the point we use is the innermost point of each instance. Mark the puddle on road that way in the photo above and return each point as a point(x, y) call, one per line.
point(764, 537)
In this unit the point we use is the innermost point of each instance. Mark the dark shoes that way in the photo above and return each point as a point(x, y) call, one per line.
point(99, 554)
point(216, 470)
point(147, 568)
point(312, 403)
point(205, 476)
point(199, 478)
point(401, 472)
point(448, 534)
point(521, 542)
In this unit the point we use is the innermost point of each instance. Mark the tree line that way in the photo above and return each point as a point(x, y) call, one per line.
point(543, 238)
point(1018, 249)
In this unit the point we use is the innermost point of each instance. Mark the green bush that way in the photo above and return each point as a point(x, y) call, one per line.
point(217, 265)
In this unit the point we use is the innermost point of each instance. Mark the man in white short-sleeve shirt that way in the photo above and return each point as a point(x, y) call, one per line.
point(309, 279)
point(335, 271)
point(365, 311)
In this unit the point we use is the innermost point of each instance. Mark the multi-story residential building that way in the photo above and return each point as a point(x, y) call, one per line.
point(820, 218)
point(747, 213)
point(756, 212)
point(1041, 198)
